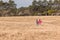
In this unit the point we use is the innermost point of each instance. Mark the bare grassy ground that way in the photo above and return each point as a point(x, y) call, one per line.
point(25, 28)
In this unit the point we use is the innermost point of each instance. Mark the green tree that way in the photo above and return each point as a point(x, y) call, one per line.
point(13, 8)
point(1, 3)
point(55, 1)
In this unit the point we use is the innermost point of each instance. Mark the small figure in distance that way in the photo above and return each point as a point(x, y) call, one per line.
point(38, 21)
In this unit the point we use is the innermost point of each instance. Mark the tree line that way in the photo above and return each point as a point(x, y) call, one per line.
point(38, 8)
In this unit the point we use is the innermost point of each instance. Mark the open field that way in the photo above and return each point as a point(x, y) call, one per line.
point(25, 28)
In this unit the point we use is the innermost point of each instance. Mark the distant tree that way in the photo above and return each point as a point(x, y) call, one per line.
point(1, 3)
point(12, 8)
point(55, 1)
point(34, 2)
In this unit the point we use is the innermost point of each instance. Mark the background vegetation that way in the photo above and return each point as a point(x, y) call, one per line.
point(38, 8)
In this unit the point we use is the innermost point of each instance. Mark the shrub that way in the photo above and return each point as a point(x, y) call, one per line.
point(51, 11)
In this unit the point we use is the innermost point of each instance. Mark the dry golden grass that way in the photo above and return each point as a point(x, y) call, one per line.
point(25, 28)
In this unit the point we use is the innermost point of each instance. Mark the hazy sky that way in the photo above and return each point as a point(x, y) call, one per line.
point(21, 3)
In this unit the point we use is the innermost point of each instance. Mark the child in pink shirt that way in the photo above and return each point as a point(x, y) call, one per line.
point(38, 21)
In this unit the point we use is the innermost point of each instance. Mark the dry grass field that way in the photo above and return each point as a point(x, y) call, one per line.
point(25, 28)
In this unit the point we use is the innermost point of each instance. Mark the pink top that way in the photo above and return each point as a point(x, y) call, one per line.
point(39, 21)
